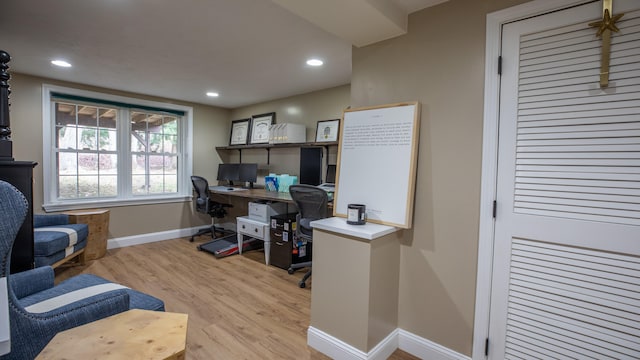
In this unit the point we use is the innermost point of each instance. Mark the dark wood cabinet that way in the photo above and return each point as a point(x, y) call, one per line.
point(20, 175)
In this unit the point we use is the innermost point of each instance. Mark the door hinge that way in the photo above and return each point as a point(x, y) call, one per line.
point(495, 208)
point(486, 347)
point(499, 65)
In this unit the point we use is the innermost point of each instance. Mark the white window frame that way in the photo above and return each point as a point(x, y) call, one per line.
point(124, 197)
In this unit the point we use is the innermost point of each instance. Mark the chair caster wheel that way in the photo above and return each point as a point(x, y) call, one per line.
point(290, 271)
point(302, 285)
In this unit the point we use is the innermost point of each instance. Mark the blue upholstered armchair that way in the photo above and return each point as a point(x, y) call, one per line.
point(55, 241)
point(37, 309)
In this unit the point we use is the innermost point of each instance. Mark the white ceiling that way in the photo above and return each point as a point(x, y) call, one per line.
point(247, 50)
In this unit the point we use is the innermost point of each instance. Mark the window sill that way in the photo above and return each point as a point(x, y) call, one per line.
point(102, 203)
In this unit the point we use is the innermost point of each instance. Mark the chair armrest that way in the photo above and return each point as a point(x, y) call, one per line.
point(45, 326)
point(92, 308)
point(40, 220)
point(31, 281)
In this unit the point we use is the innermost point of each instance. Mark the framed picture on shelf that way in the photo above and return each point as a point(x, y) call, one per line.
point(327, 130)
point(260, 125)
point(239, 132)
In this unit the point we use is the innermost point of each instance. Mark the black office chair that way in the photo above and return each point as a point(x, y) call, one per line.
point(205, 205)
point(311, 202)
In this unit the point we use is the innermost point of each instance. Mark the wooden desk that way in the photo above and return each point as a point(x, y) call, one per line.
point(257, 193)
point(133, 334)
point(260, 194)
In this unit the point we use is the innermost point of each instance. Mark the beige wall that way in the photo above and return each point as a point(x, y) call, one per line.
point(210, 129)
point(305, 109)
point(440, 63)
point(302, 109)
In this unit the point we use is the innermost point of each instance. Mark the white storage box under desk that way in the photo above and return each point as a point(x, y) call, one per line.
point(255, 229)
point(263, 211)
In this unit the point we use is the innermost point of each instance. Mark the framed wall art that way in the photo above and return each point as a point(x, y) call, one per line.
point(327, 130)
point(239, 132)
point(260, 125)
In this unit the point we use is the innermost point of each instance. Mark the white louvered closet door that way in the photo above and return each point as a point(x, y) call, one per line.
point(566, 274)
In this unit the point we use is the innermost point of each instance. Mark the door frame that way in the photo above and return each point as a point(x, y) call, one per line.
point(489, 180)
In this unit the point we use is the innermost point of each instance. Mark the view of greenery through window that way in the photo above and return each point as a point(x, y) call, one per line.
point(154, 149)
point(86, 143)
point(87, 155)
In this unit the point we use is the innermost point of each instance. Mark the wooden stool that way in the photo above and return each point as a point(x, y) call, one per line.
point(98, 221)
point(133, 334)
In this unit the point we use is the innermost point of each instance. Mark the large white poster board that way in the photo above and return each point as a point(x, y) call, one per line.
point(377, 160)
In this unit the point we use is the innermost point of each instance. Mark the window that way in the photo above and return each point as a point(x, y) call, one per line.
point(102, 150)
point(154, 146)
point(86, 151)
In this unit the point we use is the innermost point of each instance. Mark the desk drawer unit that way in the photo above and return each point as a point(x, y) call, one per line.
point(255, 229)
point(252, 228)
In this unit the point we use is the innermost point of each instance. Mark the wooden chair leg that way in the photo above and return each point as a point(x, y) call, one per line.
point(82, 259)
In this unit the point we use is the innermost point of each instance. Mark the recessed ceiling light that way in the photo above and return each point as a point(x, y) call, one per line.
point(213, 94)
point(60, 63)
point(314, 62)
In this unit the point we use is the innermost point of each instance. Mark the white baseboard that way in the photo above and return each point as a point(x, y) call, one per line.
point(397, 339)
point(158, 236)
point(332, 347)
point(426, 349)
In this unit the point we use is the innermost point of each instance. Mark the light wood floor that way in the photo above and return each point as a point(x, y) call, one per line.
point(238, 307)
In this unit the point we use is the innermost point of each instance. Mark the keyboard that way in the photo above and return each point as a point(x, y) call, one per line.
point(328, 187)
point(222, 188)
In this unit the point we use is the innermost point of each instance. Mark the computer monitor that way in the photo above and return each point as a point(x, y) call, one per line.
point(248, 173)
point(229, 172)
point(310, 165)
point(331, 174)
